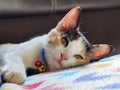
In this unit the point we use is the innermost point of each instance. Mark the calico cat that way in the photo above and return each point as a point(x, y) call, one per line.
point(63, 47)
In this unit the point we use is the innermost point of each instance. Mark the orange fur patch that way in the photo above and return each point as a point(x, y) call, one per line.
point(82, 62)
point(55, 38)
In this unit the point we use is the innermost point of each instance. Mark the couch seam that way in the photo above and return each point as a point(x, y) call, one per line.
point(53, 6)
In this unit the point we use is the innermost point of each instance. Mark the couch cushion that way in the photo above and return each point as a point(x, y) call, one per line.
point(10, 8)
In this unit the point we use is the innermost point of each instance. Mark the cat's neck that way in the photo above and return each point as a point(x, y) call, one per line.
point(35, 48)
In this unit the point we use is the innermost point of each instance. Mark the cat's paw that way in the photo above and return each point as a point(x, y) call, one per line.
point(13, 76)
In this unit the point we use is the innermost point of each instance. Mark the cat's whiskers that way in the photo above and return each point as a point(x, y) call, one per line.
point(95, 40)
point(56, 17)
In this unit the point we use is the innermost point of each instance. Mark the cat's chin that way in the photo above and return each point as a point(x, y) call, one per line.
point(54, 65)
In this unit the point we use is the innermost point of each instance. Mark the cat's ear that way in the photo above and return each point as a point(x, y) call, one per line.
point(99, 51)
point(70, 20)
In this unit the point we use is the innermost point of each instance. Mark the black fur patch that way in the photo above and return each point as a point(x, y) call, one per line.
point(71, 34)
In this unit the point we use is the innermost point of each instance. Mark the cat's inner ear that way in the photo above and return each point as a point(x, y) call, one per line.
point(99, 51)
point(70, 21)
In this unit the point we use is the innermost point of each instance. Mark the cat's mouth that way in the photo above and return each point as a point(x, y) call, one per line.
point(63, 57)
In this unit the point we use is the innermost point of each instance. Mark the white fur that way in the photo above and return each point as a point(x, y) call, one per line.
point(20, 56)
point(17, 57)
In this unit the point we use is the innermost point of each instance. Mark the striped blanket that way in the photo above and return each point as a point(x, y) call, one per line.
point(101, 75)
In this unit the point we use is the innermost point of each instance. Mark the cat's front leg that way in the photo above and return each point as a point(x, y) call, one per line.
point(14, 70)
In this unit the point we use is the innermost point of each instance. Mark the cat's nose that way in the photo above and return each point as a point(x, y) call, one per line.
point(63, 56)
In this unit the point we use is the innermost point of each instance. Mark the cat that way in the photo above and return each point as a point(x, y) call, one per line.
point(63, 47)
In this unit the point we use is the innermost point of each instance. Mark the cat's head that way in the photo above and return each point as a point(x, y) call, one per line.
point(67, 46)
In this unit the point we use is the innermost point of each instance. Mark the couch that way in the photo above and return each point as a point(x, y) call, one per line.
point(20, 20)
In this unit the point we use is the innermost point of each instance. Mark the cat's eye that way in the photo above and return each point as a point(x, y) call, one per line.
point(77, 56)
point(65, 41)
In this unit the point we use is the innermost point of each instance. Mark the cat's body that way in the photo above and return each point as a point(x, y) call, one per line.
point(64, 47)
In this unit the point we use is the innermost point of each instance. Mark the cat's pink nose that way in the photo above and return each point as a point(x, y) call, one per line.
point(63, 56)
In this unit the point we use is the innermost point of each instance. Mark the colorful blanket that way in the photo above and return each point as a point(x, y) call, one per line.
point(101, 75)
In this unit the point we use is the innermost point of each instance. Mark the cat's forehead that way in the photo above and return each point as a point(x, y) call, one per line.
point(71, 34)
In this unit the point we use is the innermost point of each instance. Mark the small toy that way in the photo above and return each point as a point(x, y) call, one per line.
point(40, 66)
